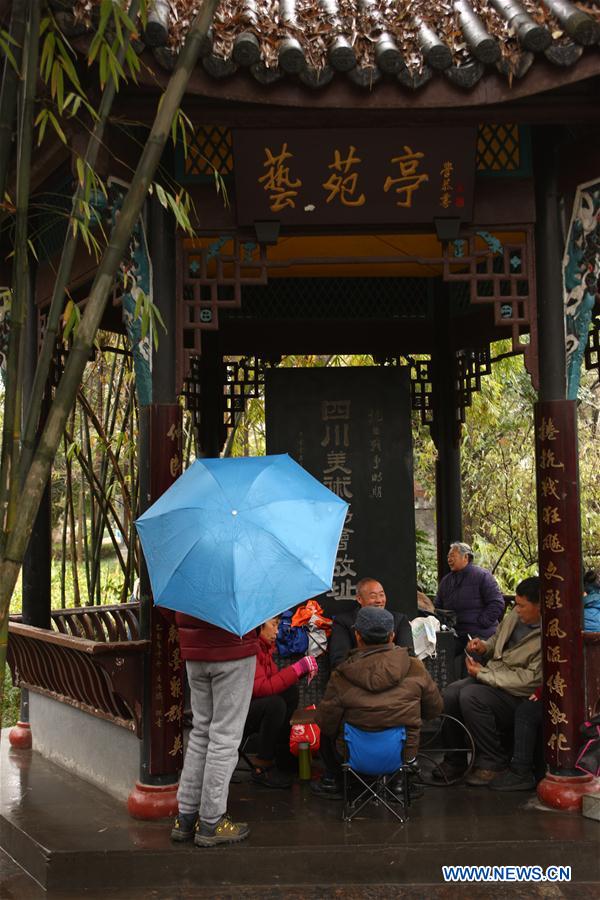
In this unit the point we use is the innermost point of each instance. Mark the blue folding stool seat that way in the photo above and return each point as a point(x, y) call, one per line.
point(376, 755)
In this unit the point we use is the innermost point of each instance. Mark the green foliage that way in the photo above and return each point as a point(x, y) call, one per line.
point(426, 563)
point(11, 701)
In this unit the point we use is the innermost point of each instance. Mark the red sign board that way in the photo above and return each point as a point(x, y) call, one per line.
point(392, 176)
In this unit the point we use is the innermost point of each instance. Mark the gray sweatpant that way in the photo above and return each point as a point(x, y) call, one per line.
point(220, 694)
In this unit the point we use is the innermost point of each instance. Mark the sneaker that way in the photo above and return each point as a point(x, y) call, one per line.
point(512, 781)
point(447, 772)
point(328, 788)
point(271, 777)
point(185, 827)
point(224, 832)
point(481, 777)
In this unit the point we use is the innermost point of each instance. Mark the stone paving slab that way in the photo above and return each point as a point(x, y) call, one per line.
point(71, 837)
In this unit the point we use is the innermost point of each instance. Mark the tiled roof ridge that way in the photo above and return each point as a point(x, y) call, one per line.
point(369, 40)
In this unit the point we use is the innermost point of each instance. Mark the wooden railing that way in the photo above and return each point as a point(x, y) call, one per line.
point(91, 659)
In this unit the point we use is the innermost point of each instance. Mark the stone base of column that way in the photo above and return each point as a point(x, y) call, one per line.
point(19, 736)
point(565, 792)
point(149, 802)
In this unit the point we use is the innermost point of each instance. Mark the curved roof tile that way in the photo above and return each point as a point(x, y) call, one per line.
point(406, 41)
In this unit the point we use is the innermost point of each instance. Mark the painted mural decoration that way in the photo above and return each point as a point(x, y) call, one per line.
point(136, 273)
point(581, 269)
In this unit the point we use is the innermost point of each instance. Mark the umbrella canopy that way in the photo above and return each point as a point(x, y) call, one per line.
point(236, 541)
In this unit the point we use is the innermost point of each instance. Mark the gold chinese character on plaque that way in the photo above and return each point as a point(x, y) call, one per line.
point(552, 572)
point(553, 654)
point(549, 487)
point(343, 182)
point(557, 684)
point(175, 687)
point(557, 716)
point(558, 742)
point(553, 629)
point(174, 713)
point(173, 634)
point(177, 746)
point(173, 432)
point(548, 461)
point(174, 465)
point(550, 515)
point(553, 600)
point(547, 430)
point(281, 187)
point(552, 542)
point(410, 180)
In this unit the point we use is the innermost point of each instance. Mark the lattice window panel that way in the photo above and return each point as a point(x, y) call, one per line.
point(210, 149)
point(471, 366)
point(421, 389)
point(210, 279)
point(244, 380)
point(192, 390)
point(503, 279)
point(332, 298)
point(592, 350)
point(498, 148)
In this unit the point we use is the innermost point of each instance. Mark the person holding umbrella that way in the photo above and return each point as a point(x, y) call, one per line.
point(220, 669)
point(232, 543)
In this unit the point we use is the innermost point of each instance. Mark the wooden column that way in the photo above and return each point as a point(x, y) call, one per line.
point(37, 562)
point(559, 531)
point(445, 432)
point(160, 457)
point(37, 575)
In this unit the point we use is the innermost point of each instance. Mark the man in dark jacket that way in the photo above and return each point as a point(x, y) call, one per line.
point(472, 593)
point(220, 669)
point(369, 592)
point(379, 686)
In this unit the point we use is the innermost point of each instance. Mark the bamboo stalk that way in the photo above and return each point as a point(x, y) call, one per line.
point(11, 432)
point(108, 267)
point(65, 266)
point(8, 92)
point(71, 510)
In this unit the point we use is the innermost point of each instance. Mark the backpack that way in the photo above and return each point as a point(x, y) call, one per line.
point(291, 640)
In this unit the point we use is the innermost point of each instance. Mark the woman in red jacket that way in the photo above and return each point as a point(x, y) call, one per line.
point(274, 699)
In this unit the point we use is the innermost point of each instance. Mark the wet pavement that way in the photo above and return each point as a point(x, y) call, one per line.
point(75, 841)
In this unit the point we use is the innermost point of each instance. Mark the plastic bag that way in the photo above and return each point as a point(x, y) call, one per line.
point(425, 629)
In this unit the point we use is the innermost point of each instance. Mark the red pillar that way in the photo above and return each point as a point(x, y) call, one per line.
point(154, 796)
point(559, 535)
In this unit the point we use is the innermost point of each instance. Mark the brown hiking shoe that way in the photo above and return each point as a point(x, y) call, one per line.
point(224, 832)
point(481, 777)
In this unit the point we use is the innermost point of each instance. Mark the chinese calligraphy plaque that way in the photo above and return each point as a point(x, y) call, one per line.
point(361, 176)
point(166, 703)
point(559, 544)
point(351, 429)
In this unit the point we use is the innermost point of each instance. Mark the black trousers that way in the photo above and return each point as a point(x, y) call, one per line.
point(332, 759)
point(487, 712)
point(527, 756)
point(269, 717)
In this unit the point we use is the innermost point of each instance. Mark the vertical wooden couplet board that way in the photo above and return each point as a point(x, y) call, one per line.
point(559, 535)
point(166, 732)
point(351, 429)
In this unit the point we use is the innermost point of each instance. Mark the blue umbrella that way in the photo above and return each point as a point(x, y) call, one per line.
point(236, 541)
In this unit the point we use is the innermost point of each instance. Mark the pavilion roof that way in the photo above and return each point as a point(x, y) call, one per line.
point(406, 42)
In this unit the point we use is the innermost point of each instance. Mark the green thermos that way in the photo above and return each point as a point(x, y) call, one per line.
point(304, 767)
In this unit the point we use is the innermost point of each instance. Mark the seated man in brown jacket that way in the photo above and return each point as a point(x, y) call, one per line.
point(379, 686)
